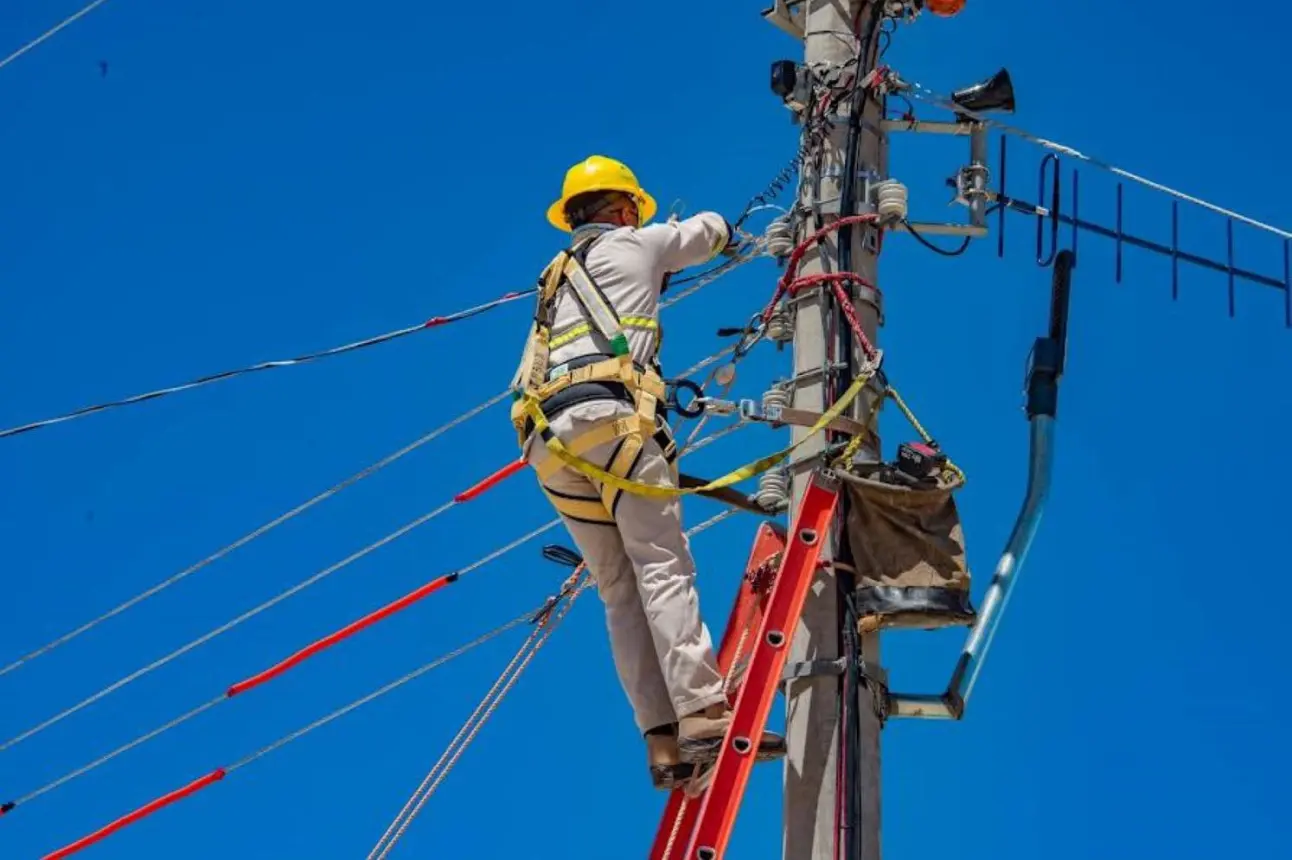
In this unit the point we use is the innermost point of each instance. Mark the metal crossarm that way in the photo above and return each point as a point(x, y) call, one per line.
point(718, 806)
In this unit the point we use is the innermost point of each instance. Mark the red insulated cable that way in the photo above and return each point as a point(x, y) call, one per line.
point(490, 482)
point(142, 812)
point(377, 615)
point(796, 256)
point(340, 635)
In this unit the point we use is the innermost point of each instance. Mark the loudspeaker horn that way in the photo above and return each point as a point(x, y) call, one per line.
point(994, 94)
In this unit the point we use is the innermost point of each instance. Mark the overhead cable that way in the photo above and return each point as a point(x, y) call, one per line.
point(252, 613)
point(578, 581)
point(70, 19)
point(433, 322)
point(252, 535)
point(220, 773)
point(465, 496)
point(385, 461)
point(544, 618)
point(925, 94)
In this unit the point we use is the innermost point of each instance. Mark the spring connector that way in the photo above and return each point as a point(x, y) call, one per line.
point(780, 328)
point(891, 201)
point(779, 237)
point(773, 490)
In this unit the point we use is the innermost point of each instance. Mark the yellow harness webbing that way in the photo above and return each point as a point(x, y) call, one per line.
point(645, 387)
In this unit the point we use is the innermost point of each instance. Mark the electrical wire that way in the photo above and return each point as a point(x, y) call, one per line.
point(385, 461)
point(220, 773)
point(578, 582)
point(928, 95)
point(71, 19)
point(946, 252)
point(350, 630)
point(545, 618)
point(235, 622)
point(252, 535)
point(433, 322)
point(280, 668)
point(703, 279)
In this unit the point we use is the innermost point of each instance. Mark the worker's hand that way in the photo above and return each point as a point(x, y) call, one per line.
point(737, 240)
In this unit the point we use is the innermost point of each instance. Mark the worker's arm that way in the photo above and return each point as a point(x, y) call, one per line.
point(689, 242)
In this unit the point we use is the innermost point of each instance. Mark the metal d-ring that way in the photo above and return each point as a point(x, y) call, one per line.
point(696, 409)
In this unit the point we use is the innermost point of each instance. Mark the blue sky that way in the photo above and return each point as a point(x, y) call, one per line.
point(254, 181)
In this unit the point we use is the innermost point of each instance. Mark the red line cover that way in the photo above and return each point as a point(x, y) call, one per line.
point(344, 633)
point(490, 482)
point(142, 812)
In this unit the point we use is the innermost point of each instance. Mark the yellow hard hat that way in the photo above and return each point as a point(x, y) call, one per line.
point(599, 173)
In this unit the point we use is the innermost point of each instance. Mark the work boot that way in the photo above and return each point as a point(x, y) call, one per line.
point(700, 736)
point(667, 770)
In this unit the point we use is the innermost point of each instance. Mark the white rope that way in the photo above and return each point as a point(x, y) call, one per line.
point(71, 19)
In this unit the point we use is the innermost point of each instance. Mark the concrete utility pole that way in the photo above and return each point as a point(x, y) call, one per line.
point(813, 717)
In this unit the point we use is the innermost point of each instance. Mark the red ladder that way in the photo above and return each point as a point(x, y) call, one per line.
point(699, 828)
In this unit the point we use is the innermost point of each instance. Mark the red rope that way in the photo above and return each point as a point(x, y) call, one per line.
point(142, 812)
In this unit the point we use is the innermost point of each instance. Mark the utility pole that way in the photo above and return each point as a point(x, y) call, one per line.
point(812, 783)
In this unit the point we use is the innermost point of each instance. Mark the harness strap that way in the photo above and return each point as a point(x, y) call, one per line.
point(623, 462)
point(571, 455)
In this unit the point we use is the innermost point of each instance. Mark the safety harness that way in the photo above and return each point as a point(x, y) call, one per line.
point(541, 389)
point(599, 376)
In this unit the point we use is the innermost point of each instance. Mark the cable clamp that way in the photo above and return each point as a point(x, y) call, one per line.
point(814, 669)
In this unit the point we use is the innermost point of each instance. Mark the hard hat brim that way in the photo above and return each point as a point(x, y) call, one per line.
point(646, 208)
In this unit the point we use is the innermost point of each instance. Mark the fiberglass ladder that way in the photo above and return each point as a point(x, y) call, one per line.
point(770, 600)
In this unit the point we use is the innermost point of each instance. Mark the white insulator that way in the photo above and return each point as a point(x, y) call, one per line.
point(780, 237)
point(775, 399)
point(780, 328)
point(773, 490)
point(891, 200)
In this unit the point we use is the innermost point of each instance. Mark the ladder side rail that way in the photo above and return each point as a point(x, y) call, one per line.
point(768, 542)
point(721, 803)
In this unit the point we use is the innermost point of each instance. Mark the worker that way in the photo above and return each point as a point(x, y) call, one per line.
point(602, 301)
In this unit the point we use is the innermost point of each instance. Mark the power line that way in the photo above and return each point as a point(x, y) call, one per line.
point(460, 498)
point(550, 610)
point(925, 94)
point(250, 536)
point(71, 19)
point(262, 530)
point(433, 322)
point(440, 771)
point(220, 773)
point(701, 281)
point(244, 617)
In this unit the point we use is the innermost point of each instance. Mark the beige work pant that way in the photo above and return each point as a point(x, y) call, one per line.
point(645, 576)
